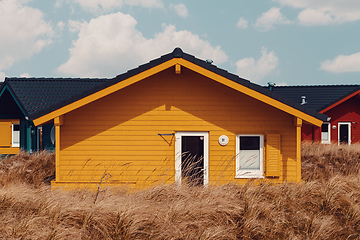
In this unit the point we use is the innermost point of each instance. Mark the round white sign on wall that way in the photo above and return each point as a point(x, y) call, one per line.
point(223, 140)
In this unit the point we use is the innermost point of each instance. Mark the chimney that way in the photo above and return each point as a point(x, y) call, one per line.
point(303, 100)
point(271, 85)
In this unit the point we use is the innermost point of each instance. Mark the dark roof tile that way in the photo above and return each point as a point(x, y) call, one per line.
point(318, 97)
point(177, 52)
point(39, 94)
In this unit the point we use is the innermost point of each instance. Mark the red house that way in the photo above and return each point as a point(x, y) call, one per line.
point(341, 103)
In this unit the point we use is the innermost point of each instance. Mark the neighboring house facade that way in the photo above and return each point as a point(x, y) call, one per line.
point(175, 119)
point(22, 97)
point(341, 103)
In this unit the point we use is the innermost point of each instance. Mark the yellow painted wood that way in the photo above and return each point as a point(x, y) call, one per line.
point(74, 185)
point(251, 93)
point(105, 92)
point(59, 120)
point(273, 157)
point(297, 122)
point(11, 150)
point(298, 150)
point(177, 69)
point(178, 62)
point(10, 120)
point(115, 135)
point(5, 134)
point(57, 150)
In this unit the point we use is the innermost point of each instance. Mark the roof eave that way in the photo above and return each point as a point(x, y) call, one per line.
point(340, 101)
point(315, 120)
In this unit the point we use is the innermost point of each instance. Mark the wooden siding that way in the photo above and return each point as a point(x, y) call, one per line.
point(118, 134)
point(273, 156)
point(347, 111)
point(6, 136)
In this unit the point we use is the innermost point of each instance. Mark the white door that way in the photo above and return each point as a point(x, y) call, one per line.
point(192, 157)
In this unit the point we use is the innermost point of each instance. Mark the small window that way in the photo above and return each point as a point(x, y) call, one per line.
point(249, 156)
point(16, 135)
point(325, 133)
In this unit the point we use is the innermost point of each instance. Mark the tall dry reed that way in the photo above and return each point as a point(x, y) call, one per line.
point(34, 169)
point(319, 208)
point(323, 161)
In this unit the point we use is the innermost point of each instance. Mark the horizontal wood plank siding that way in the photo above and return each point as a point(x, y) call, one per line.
point(118, 134)
point(6, 136)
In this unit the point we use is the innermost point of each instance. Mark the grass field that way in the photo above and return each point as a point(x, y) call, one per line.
point(325, 206)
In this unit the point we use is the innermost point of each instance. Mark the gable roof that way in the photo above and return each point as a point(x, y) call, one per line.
point(177, 57)
point(319, 97)
point(35, 95)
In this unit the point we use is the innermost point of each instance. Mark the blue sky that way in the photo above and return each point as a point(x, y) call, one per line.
point(289, 42)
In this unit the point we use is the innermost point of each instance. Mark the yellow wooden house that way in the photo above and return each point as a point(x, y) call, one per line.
point(176, 119)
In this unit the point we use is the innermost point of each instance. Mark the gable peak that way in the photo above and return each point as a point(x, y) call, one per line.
point(178, 53)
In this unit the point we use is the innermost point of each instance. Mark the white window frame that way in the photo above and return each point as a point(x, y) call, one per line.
point(349, 130)
point(250, 173)
point(13, 143)
point(329, 134)
point(178, 154)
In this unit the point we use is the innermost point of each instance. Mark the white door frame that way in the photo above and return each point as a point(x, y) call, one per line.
point(349, 131)
point(328, 133)
point(178, 153)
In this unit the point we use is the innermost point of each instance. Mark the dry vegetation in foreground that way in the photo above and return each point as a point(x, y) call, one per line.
point(325, 206)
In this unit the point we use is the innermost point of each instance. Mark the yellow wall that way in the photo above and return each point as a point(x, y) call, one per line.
point(6, 136)
point(118, 134)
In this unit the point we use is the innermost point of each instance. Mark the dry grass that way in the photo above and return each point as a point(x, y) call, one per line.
point(35, 169)
point(325, 206)
point(321, 161)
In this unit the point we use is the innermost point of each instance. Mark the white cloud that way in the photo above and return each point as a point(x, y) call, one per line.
point(25, 75)
point(106, 6)
point(256, 70)
point(270, 18)
point(342, 63)
point(111, 44)
point(242, 23)
point(61, 25)
point(75, 26)
point(181, 10)
point(94, 6)
point(144, 3)
point(282, 84)
point(23, 32)
point(320, 12)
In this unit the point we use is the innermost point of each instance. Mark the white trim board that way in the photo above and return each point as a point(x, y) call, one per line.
point(349, 131)
point(178, 154)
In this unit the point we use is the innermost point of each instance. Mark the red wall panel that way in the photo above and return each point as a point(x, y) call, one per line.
point(348, 111)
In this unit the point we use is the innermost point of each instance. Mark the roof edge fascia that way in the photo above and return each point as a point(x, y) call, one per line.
point(192, 66)
point(340, 101)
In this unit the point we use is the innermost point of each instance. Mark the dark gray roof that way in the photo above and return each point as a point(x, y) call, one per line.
point(317, 97)
point(38, 94)
point(62, 92)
